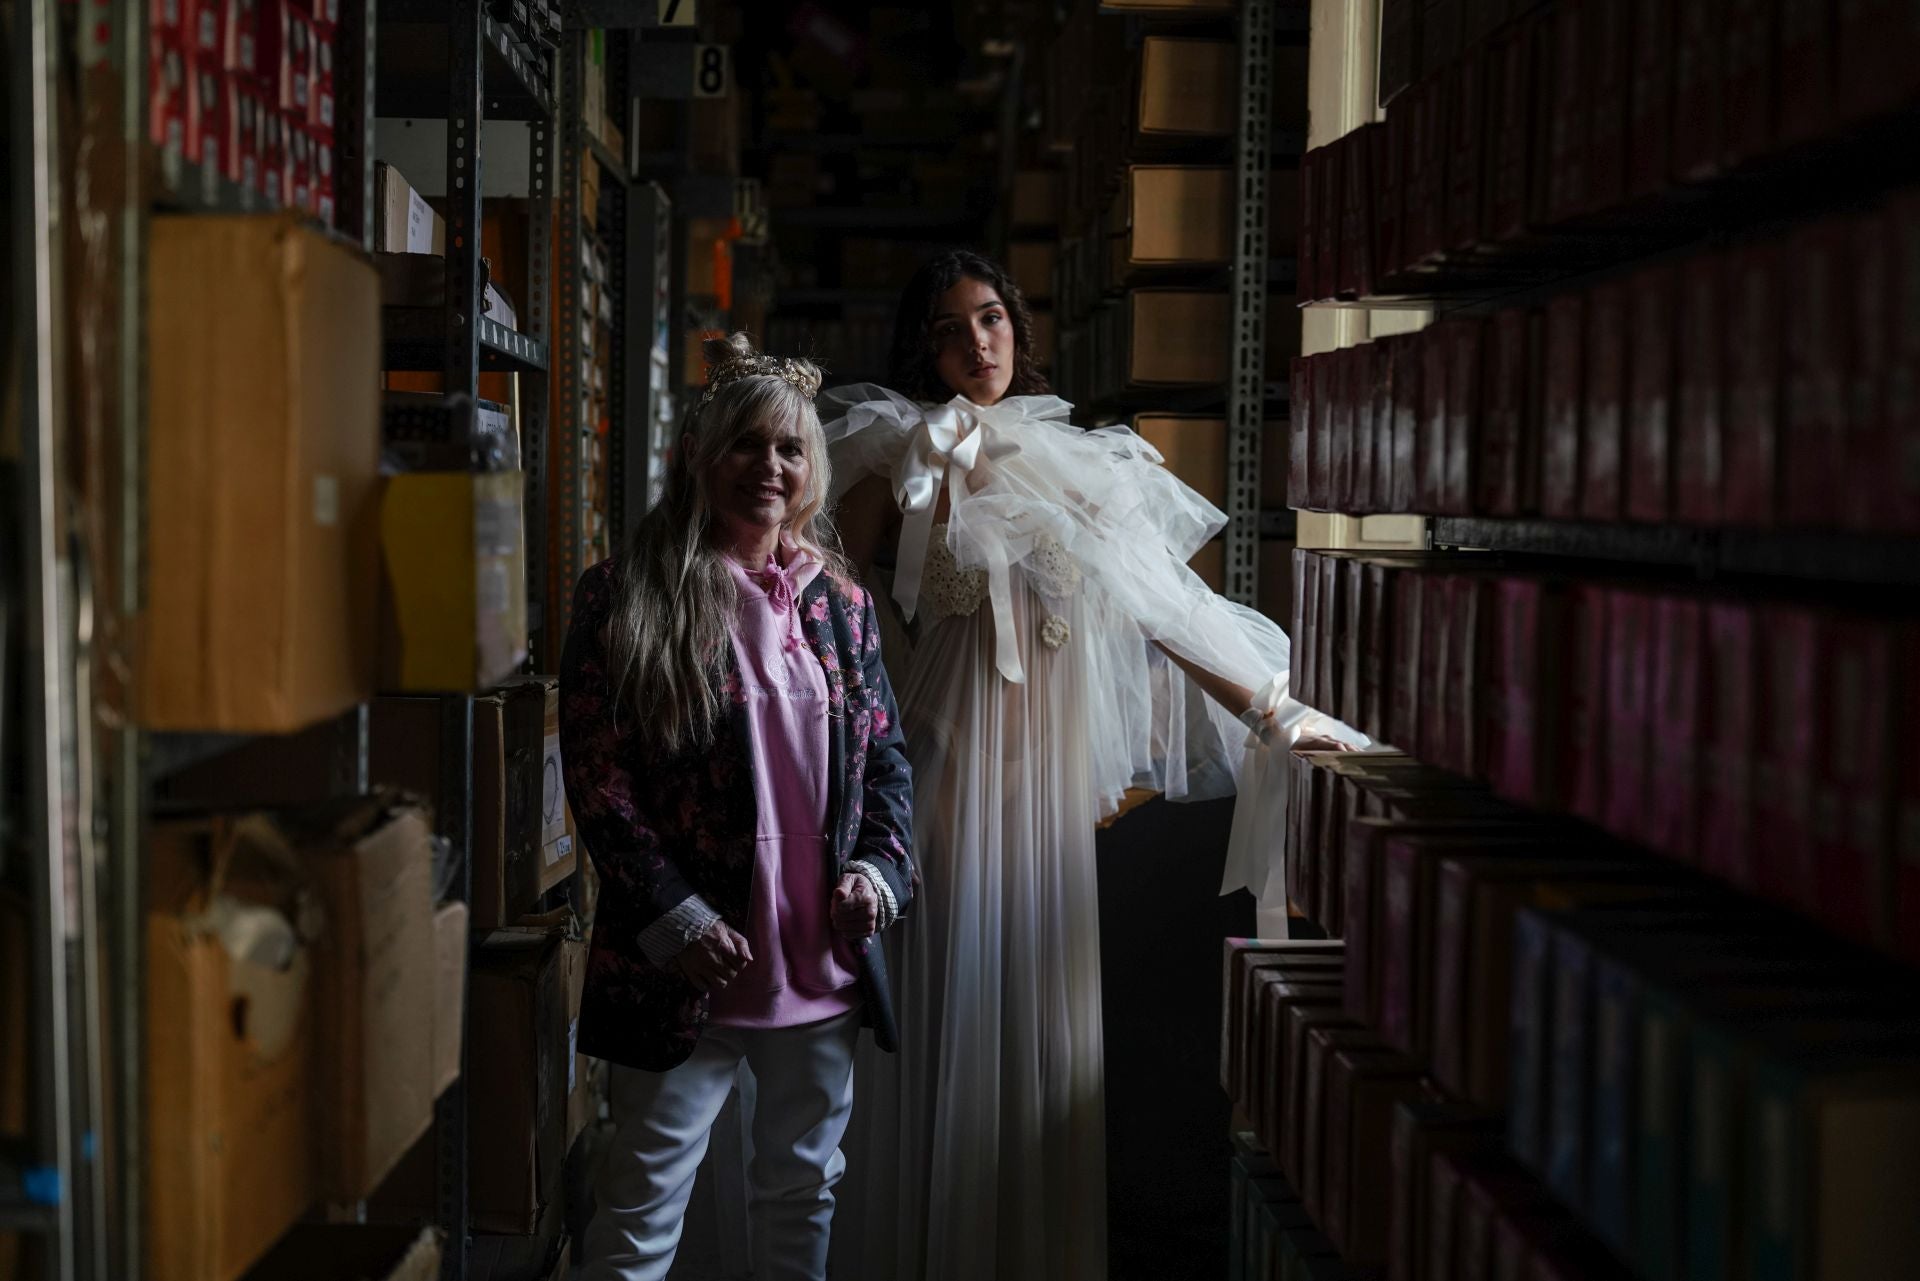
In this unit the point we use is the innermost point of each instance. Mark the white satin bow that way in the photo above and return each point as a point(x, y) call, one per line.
point(950, 442)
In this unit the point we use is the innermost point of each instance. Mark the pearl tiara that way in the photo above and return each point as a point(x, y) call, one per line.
point(800, 373)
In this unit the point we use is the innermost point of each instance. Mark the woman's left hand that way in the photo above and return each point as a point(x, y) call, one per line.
point(1320, 743)
point(856, 908)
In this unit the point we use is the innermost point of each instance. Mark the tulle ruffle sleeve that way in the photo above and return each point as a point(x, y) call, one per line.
point(1038, 503)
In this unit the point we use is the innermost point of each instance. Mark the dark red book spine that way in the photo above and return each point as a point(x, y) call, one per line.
point(1408, 363)
point(1869, 293)
point(1565, 399)
point(1650, 97)
point(1498, 490)
point(1388, 155)
point(1878, 56)
point(1610, 85)
point(1514, 671)
point(1330, 188)
point(1306, 642)
point(1356, 233)
point(1602, 433)
point(1366, 378)
point(1399, 873)
point(1853, 808)
point(1298, 668)
point(1755, 357)
point(1728, 726)
point(1629, 673)
point(1698, 73)
point(1326, 405)
point(1436, 689)
point(1570, 124)
point(1384, 361)
point(1587, 703)
point(1899, 458)
point(1376, 655)
point(1655, 302)
point(1673, 816)
point(1805, 82)
point(1751, 42)
point(1431, 479)
point(1299, 434)
point(1466, 155)
point(1333, 622)
point(1818, 427)
point(1792, 714)
point(1426, 172)
point(1353, 639)
point(1346, 384)
point(1404, 697)
point(1466, 361)
point(1467, 661)
point(1697, 427)
point(1511, 97)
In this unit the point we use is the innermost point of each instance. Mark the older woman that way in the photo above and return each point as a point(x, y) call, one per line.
point(734, 759)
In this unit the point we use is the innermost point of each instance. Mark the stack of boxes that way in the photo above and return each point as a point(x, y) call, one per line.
point(244, 90)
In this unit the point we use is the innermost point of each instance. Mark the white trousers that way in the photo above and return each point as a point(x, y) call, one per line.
point(804, 1081)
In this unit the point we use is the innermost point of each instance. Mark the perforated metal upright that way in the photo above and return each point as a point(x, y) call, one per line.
point(571, 457)
point(1246, 389)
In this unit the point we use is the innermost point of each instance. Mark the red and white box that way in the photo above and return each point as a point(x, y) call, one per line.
point(325, 193)
point(321, 110)
point(1466, 380)
point(326, 18)
point(1565, 404)
point(296, 64)
point(168, 94)
point(1654, 301)
point(1728, 728)
point(1697, 464)
point(1814, 445)
point(1755, 360)
point(1610, 90)
point(1853, 801)
point(206, 117)
point(203, 26)
point(1677, 749)
point(1603, 432)
point(242, 33)
point(1650, 97)
point(271, 151)
point(299, 167)
point(241, 153)
point(1697, 78)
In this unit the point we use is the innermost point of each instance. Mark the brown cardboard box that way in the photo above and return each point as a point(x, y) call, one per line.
point(332, 1252)
point(1194, 449)
point(558, 842)
point(518, 1088)
point(449, 993)
point(375, 965)
point(263, 452)
point(453, 608)
point(232, 1160)
point(1176, 337)
point(1187, 87)
point(1031, 263)
point(1179, 214)
point(1210, 562)
point(408, 224)
point(579, 1067)
point(1037, 199)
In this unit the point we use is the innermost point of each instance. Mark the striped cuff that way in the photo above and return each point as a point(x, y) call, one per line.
point(889, 908)
point(667, 937)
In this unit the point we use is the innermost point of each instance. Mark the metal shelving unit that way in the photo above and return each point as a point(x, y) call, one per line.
point(1246, 379)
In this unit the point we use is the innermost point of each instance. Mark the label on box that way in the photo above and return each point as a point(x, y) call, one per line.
point(496, 527)
point(491, 588)
point(326, 501)
point(419, 224)
point(553, 796)
point(573, 1053)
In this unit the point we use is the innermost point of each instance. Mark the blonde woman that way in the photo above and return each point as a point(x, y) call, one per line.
point(734, 760)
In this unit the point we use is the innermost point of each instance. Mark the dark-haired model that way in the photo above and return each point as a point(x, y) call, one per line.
point(1060, 647)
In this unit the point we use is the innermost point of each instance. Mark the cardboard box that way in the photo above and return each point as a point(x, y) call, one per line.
point(1194, 449)
point(1177, 337)
point(580, 1096)
point(408, 224)
point(518, 1089)
point(1037, 199)
point(1031, 263)
point(1179, 214)
point(454, 608)
point(365, 1252)
point(232, 1157)
point(375, 968)
point(558, 842)
point(263, 474)
point(1187, 87)
point(449, 994)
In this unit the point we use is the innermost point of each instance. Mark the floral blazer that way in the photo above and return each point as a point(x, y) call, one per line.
point(661, 827)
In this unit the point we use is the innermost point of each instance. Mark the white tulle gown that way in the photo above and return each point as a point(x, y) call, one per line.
point(1032, 700)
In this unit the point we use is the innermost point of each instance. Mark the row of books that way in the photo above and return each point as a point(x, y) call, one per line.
point(1522, 1022)
point(1271, 1236)
point(1765, 384)
point(1579, 111)
point(1755, 736)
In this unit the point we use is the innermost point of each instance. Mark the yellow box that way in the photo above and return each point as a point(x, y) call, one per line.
point(1194, 449)
point(1031, 264)
point(263, 480)
point(1179, 214)
point(1188, 87)
point(454, 610)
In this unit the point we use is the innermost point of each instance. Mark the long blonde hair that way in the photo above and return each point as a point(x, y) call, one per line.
point(667, 635)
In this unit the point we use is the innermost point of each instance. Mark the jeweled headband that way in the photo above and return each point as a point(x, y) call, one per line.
point(734, 368)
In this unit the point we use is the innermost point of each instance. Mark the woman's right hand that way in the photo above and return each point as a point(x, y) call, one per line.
point(716, 958)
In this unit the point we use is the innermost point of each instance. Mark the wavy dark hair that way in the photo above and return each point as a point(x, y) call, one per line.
point(911, 370)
